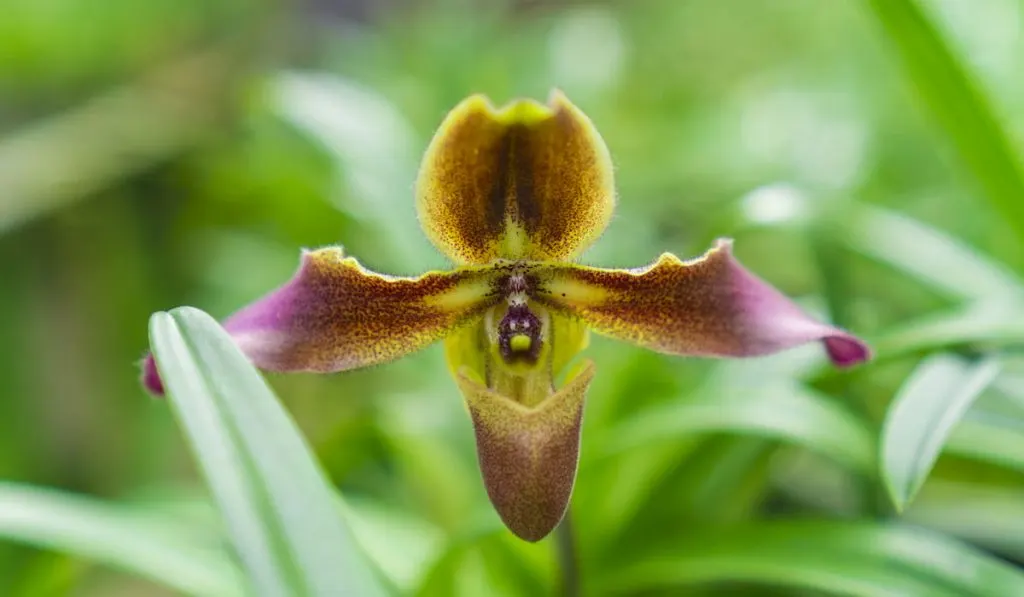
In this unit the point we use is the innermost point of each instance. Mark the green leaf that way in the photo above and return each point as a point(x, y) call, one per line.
point(151, 545)
point(400, 543)
point(373, 145)
point(280, 512)
point(988, 440)
point(958, 106)
point(988, 324)
point(986, 515)
point(930, 255)
point(57, 161)
point(922, 416)
point(776, 408)
point(1011, 385)
point(855, 559)
point(714, 480)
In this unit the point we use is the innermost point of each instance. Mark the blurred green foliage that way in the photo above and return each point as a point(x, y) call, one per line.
point(865, 155)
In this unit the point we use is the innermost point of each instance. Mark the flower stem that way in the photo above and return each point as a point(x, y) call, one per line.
point(568, 557)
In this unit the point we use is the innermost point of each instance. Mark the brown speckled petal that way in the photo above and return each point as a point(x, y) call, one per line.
point(711, 306)
point(528, 456)
point(335, 315)
point(528, 181)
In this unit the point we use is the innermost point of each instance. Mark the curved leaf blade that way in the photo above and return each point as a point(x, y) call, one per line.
point(988, 441)
point(154, 546)
point(854, 559)
point(923, 415)
point(993, 518)
point(984, 324)
point(281, 513)
point(958, 105)
point(932, 256)
point(779, 410)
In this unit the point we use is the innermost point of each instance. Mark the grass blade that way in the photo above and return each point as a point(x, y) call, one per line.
point(981, 325)
point(856, 559)
point(151, 545)
point(923, 415)
point(958, 105)
point(70, 156)
point(933, 257)
point(280, 512)
point(372, 145)
point(994, 519)
point(988, 441)
point(778, 410)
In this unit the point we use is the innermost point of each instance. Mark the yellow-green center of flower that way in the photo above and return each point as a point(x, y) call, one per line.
point(521, 332)
point(518, 332)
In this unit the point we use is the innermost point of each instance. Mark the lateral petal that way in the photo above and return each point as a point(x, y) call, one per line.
point(711, 306)
point(335, 315)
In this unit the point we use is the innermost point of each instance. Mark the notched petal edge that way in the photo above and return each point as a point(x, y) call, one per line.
point(528, 456)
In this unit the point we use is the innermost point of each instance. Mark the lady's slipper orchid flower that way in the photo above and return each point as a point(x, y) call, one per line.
point(513, 196)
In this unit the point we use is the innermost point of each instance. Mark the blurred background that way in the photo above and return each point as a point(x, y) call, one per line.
point(864, 155)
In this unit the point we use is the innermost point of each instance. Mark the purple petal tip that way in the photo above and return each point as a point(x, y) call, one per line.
point(151, 378)
point(846, 351)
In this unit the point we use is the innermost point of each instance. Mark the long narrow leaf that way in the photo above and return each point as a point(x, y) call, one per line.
point(988, 441)
point(151, 545)
point(985, 323)
point(994, 520)
point(281, 513)
point(855, 559)
point(922, 416)
point(779, 410)
point(114, 135)
point(958, 105)
point(929, 255)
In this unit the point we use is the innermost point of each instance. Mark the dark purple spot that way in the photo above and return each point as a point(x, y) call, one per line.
point(519, 321)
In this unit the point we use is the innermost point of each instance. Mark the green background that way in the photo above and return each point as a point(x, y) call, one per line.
point(864, 155)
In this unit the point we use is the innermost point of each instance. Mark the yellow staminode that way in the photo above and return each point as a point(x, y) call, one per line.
point(520, 343)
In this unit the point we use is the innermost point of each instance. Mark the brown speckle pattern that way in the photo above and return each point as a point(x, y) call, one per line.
point(528, 456)
point(489, 174)
point(336, 315)
point(711, 306)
